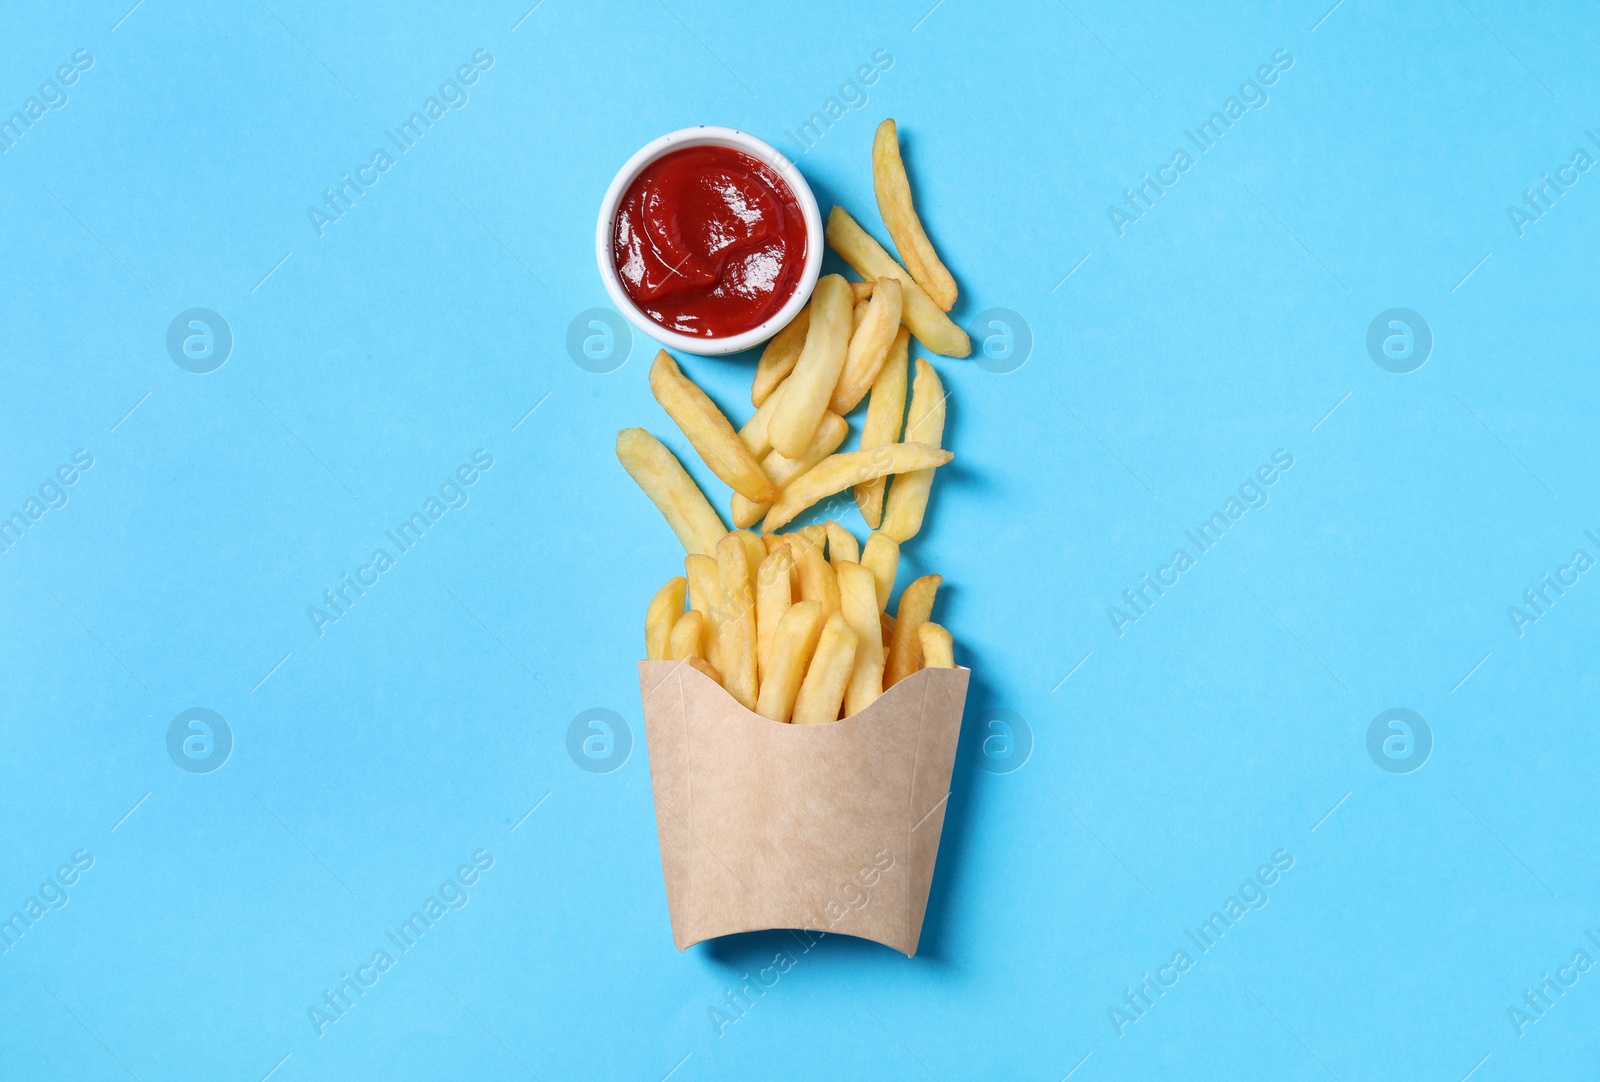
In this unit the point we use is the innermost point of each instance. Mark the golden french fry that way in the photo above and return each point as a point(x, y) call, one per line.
point(776, 541)
point(792, 646)
point(754, 432)
point(938, 651)
point(755, 550)
point(866, 256)
point(815, 535)
point(908, 497)
point(809, 388)
point(688, 637)
point(704, 591)
point(886, 410)
point(804, 538)
point(664, 610)
point(842, 544)
point(706, 667)
point(858, 312)
point(701, 571)
point(782, 469)
point(737, 628)
point(773, 598)
point(882, 558)
point(860, 291)
point(858, 604)
point(869, 347)
point(671, 489)
point(822, 692)
point(708, 430)
point(817, 580)
point(838, 472)
point(900, 218)
point(777, 360)
point(905, 649)
point(886, 622)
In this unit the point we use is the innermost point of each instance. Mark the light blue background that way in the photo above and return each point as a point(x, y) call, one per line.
point(424, 725)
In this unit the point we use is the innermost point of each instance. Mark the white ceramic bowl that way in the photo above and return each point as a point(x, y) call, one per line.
point(709, 135)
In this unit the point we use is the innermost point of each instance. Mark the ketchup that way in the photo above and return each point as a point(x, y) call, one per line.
point(709, 242)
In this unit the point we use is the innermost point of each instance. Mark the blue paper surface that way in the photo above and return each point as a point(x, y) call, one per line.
point(1316, 799)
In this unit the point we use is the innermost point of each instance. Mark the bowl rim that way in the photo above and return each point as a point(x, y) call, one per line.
point(762, 151)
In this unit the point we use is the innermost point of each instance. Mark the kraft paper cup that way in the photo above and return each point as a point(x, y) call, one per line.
point(831, 828)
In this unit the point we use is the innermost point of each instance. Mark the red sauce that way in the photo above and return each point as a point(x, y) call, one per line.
point(709, 242)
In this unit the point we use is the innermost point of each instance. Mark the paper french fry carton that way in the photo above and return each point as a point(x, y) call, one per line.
point(831, 828)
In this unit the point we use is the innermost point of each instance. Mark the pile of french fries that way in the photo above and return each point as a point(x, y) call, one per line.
point(794, 624)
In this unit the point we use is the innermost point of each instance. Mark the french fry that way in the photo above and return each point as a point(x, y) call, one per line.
point(704, 597)
point(737, 628)
point(754, 432)
point(809, 388)
point(900, 218)
point(702, 665)
point(822, 692)
point(773, 598)
point(688, 637)
point(858, 312)
point(860, 291)
point(886, 411)
point(908, 497)
point(755, 550)
point(838, 472)
point(782, 469)
point(802, 539)
point(776, 541)
point(938, 651)
point(866, 256)
point(882, 558)
point(792, 646)
point(842, 544)
point(858, 603)
point(708, 430)
point(817, 580)
point(777, 360)
point(905, 649)
point(671, 489)
point(870, 342)
point(664, 610)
